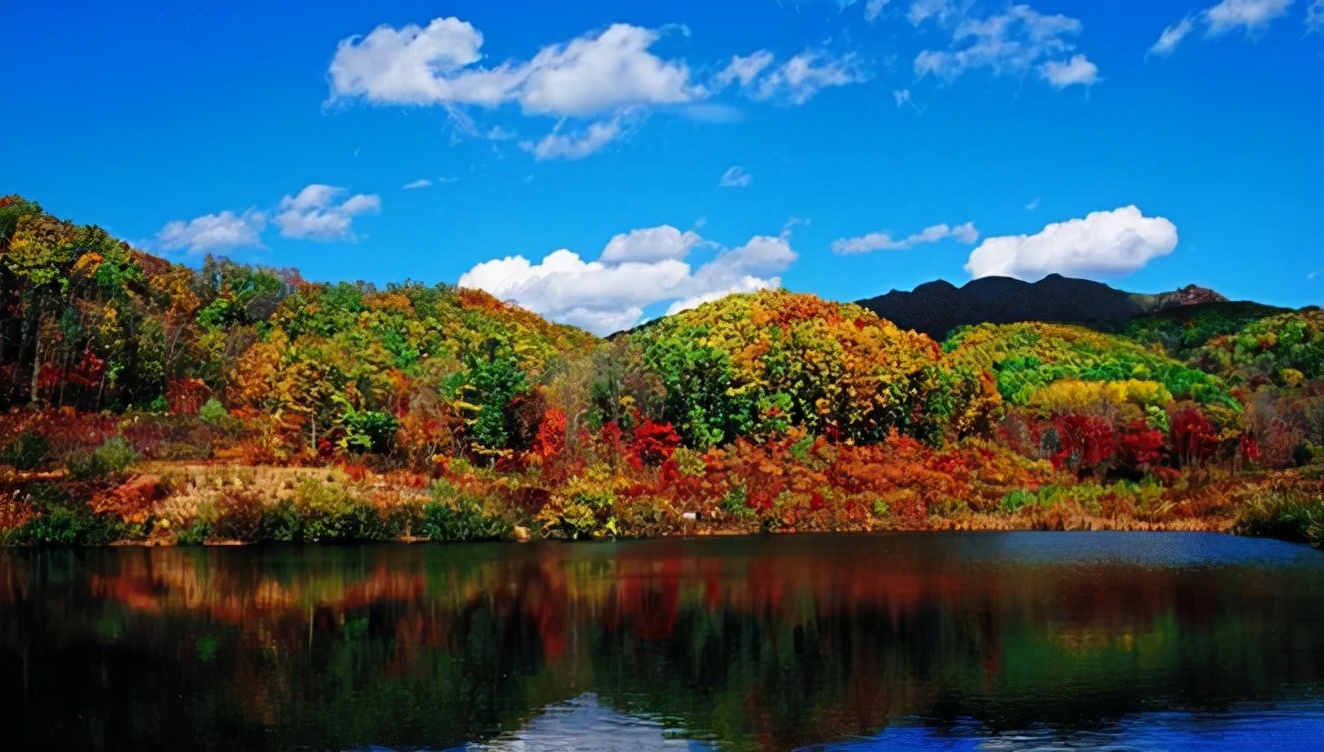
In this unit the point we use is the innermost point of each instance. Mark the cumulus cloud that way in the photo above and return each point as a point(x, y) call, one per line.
point(735, 177)
point(1103, 244)
point(636, 269)
point(439, 64)
point(603, 75)
point(598, 78)
point(606, 72)
point(1077, 70)
point(214, 232)
point(316, 214)
point(571, 146)
point(649, 244)
point(1010, 42)
point(882, 241)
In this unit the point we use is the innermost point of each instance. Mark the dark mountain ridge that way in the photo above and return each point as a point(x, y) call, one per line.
point(936, 308)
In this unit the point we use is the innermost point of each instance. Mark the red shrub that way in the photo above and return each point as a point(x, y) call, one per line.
point(654, 443)
point(1140, 447)
point(550, 440)
point(185, 396)
point(1087, 444)
point(1193, 436)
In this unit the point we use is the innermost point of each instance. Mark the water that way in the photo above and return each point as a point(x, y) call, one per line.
point(977, 641)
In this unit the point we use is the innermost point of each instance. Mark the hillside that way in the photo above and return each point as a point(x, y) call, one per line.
point(149, 401)
point(936, 308)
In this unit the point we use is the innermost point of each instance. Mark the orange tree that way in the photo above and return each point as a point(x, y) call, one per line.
point(756, 364)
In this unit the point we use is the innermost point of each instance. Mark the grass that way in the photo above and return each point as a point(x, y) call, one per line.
point(1294, 514)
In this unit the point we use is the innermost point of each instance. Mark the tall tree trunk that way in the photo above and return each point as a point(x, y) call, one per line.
point(36, 364)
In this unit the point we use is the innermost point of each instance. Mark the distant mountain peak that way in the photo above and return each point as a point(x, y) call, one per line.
point(935, 308)
point(1193, 295)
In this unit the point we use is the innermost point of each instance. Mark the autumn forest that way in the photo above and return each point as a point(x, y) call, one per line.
point(149, 401)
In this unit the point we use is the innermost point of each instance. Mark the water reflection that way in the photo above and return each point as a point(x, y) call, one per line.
point(738, 644)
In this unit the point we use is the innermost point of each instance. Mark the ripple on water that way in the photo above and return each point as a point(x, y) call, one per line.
point(1284, 728)
point(584, 724)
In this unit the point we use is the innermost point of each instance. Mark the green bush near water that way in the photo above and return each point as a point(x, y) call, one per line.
point(1289, 514)
point(63, 522)
point(453, 516)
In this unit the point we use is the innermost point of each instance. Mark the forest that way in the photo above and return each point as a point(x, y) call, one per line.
point(153, 402)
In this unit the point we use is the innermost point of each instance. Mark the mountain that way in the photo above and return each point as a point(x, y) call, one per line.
point(936, 308)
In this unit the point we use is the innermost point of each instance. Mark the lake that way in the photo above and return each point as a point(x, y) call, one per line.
point(961, 641)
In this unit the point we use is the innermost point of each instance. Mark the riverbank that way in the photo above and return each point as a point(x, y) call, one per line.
point(166, 503)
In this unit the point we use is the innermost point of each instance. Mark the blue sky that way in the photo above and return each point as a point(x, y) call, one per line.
point(606, 162)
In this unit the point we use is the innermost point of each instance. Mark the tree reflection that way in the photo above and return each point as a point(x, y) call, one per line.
point(749, 645)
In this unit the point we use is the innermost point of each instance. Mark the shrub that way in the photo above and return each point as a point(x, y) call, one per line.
point(64, 522)
point(330, 512)
point(111, 458)
point(459, 517)
point(238, 515)
point(1015, 500)
point(1289, 514)
point(214, 414)
point(282, 523)
point(585, 507)
point(736, 503)
point(196, 534)
point(27, 452)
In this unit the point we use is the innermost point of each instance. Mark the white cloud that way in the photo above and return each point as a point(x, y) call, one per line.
point(1034, 204)
point(882, 241)
point(1315, 16)
point(735, 177)
point(1250, 15)
point(635, 270)
point(743, 69)
point(793, 82)
point(606, 72)
point(1103, 244)
point(1077, 70)
point(315, 215)
point(573, 146)
point(601, 76)
point(439, 64)
point(214, 232)
point(902, 96)
point(873, 8)
point(1006, 43)
point(1172, 36)
point(610, 72)
point(650, 244)
point(798, 79)
point(415, 185)
point(921, 10)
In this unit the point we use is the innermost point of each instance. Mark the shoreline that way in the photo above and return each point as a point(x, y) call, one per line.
point(190, 503)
